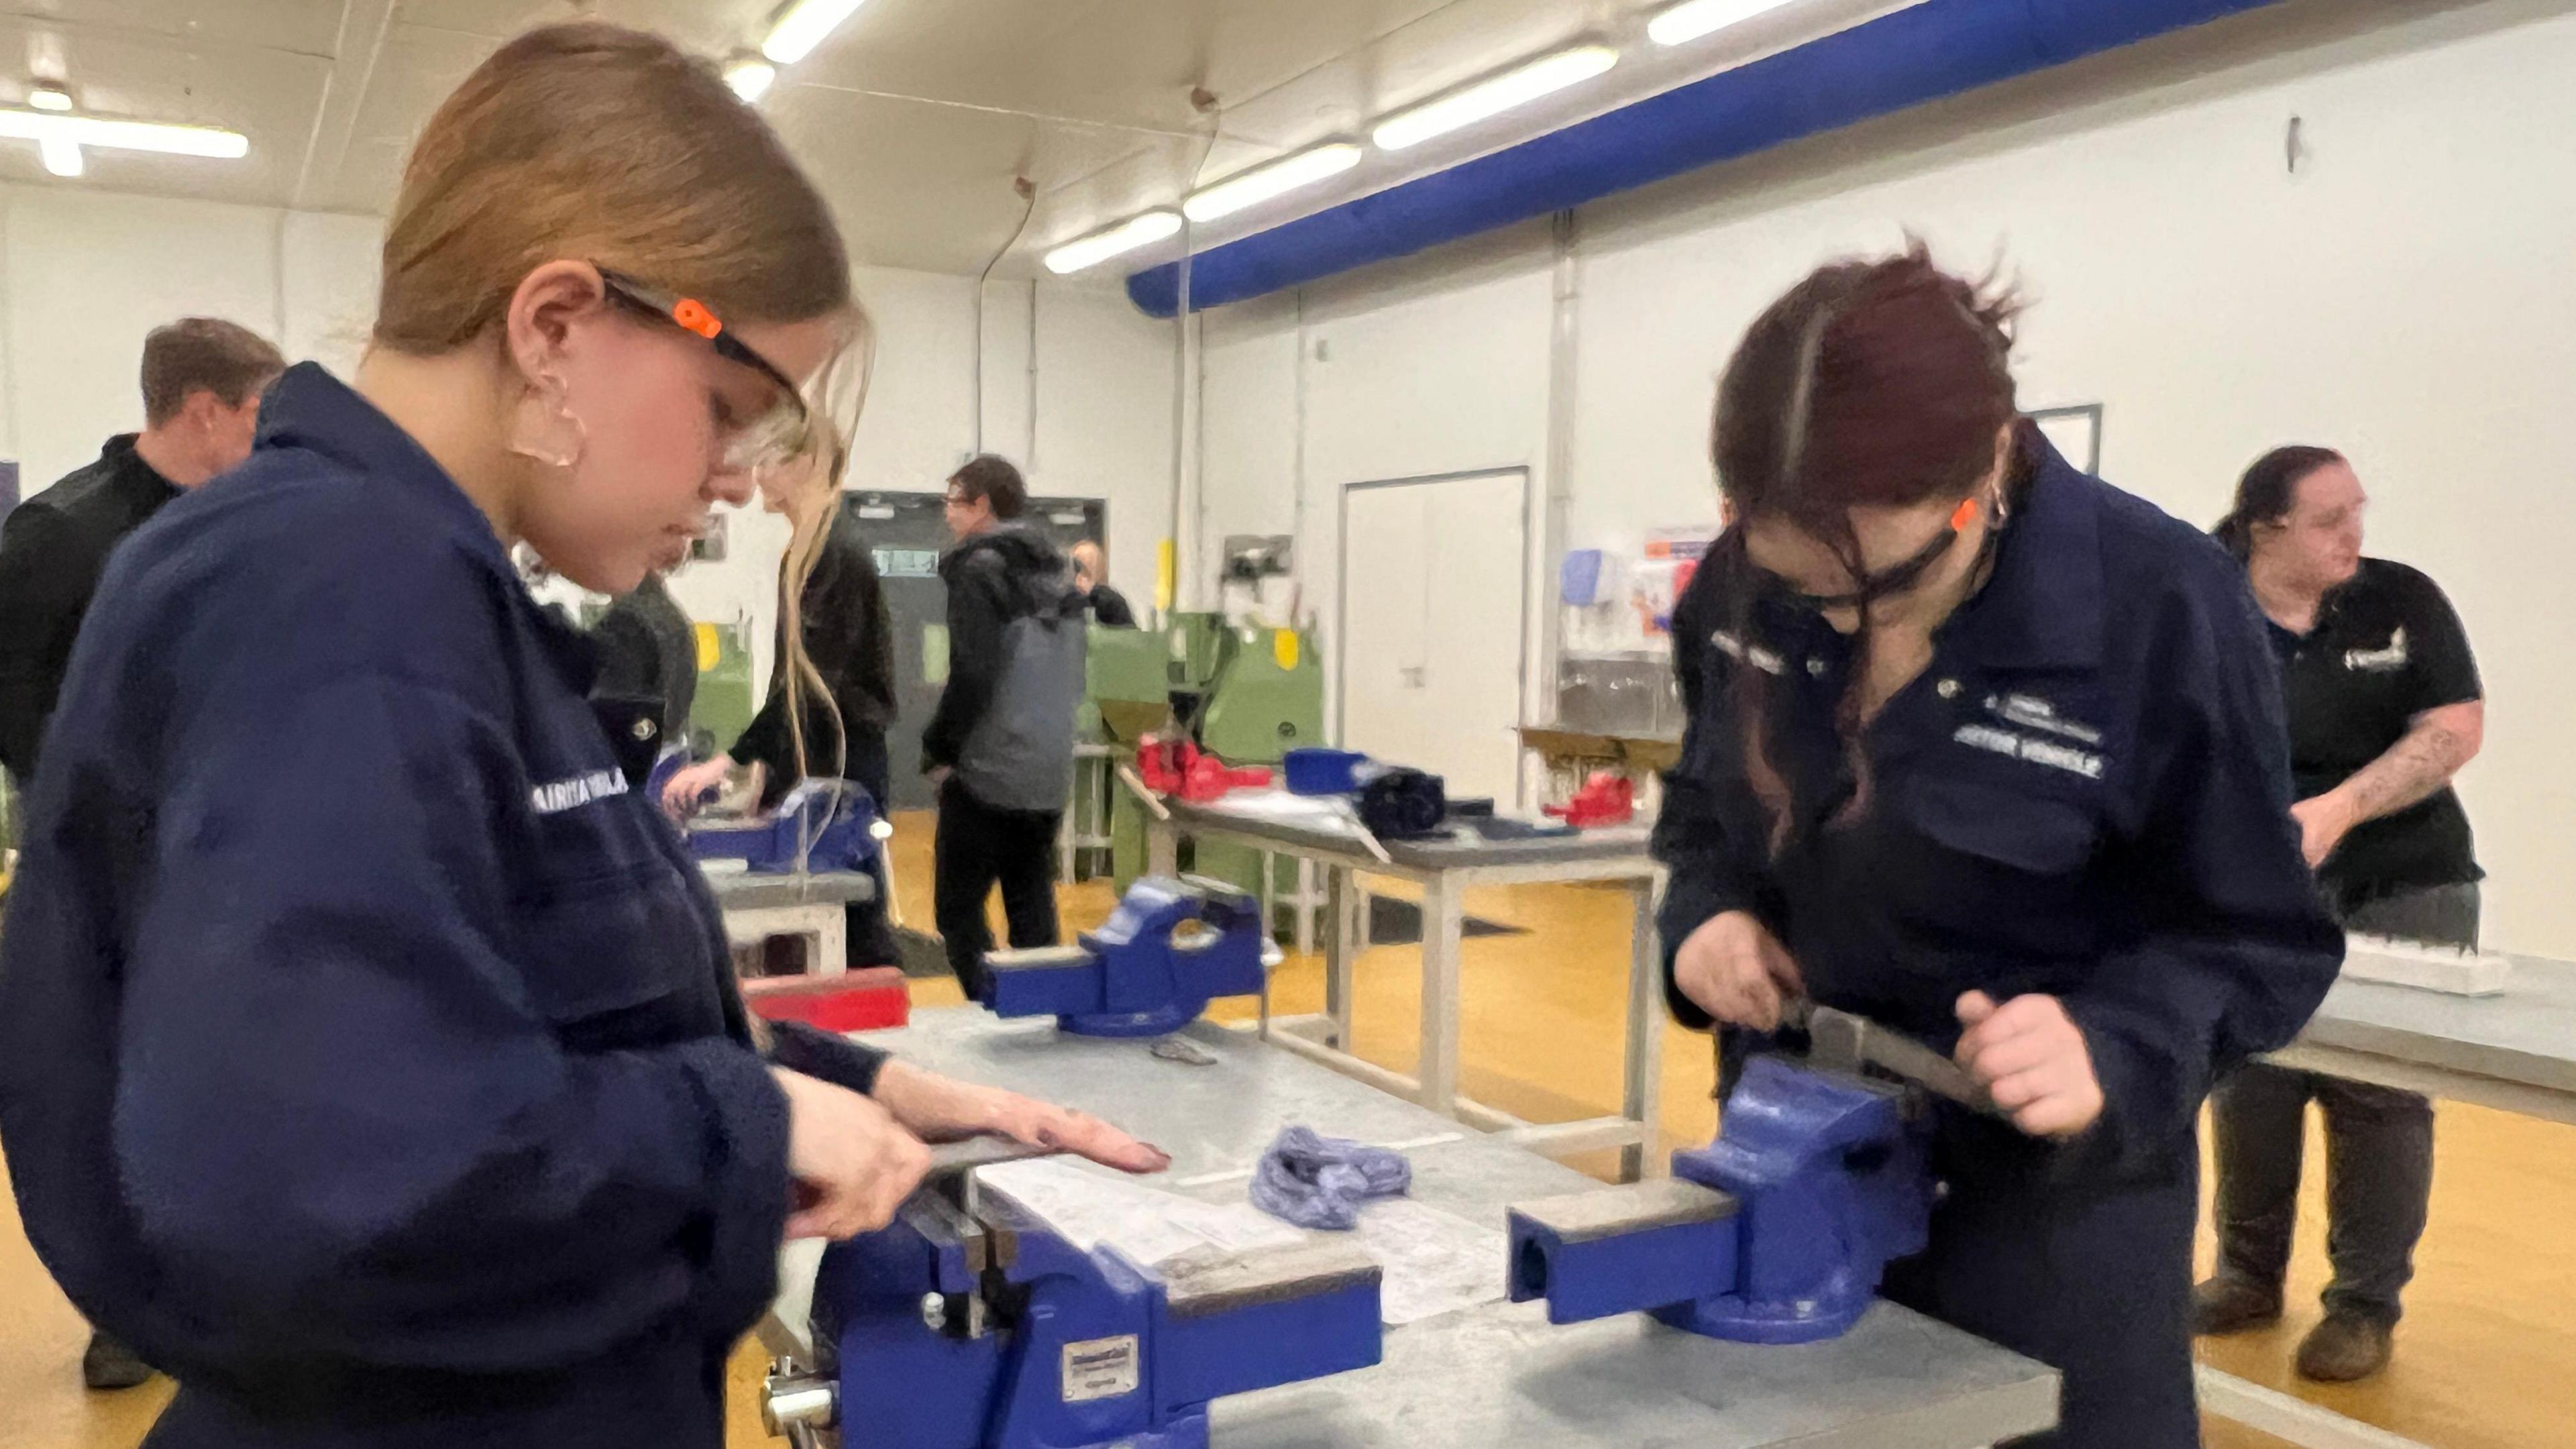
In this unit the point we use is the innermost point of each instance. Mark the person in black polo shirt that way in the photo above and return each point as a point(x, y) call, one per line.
point(2384, 708)
point(202, 381)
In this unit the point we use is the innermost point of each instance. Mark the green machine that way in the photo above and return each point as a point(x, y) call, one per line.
point(1247, 694)
point(1128, 696)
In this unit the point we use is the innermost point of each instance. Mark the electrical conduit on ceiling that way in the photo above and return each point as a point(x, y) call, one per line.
point(1935, 49)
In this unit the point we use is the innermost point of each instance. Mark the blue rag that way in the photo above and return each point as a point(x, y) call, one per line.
point(1319, 1182)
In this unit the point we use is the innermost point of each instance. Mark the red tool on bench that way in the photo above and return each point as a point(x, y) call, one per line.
point(1608, 798)
point(1179, 767)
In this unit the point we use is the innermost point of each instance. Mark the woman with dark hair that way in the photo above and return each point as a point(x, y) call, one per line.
point(2384, 707)
point(1989, 752)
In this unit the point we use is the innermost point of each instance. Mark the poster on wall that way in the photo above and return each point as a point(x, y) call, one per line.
point(2077, 432)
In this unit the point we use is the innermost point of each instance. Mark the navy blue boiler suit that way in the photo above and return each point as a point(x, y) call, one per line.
point(2086, 794)
point(368, 1054)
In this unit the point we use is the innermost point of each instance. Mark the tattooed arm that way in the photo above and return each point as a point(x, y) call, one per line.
point(2421, 762)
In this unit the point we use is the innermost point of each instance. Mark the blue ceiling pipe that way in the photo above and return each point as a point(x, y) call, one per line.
point(1939, 48)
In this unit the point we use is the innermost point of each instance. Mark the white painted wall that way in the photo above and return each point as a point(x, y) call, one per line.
point(2407, 297)
point(1429, 367)
point(84, 275)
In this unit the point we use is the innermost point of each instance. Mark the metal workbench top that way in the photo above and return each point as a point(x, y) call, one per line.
point(751, 890)
point(1496, 1376)
point(1463, 851)
point(2515, 1051)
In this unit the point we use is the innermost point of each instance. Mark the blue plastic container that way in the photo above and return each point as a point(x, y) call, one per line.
point(1316, 771)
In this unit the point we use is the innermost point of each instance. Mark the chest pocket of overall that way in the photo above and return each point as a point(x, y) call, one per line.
point(2006, 867)
point(615, 952)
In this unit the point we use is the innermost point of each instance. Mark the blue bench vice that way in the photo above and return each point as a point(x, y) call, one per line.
point(1777, 1232)
point(1138, 975)
point(970, 1324)
point(821, 825)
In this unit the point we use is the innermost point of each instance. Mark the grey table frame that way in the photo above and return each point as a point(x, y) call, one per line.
point(2514, 1052)
point(1495, 1376)
point(1445, 872)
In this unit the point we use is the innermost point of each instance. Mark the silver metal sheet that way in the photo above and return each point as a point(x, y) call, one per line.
point(1500, 1377)
point(1463, 852)
point(744, 890)
point(1210, 1118)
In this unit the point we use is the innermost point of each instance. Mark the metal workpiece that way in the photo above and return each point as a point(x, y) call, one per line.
point(1841, 1042)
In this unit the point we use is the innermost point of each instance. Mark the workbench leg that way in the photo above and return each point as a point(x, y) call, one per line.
point(1342, 899)
point(1443, 924)
point(1162, 848)
point(1269, 906)
point(831, 943)
point(1305, 906)
point(1642, 1091)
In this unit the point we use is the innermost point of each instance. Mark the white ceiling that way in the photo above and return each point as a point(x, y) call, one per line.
point(915, 116)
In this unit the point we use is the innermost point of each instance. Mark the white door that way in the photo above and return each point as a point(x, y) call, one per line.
point(1432, 581)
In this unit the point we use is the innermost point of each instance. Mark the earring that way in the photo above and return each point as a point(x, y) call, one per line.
point(545, 427)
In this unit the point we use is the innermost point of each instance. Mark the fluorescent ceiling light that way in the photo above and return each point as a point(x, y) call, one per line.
point(1251, 188)
point(1694, 18)
point(41, 128)
point(62, 157)
point(750, 78)
point(46, 98)
point(1100, 246)
point(803, 27)
point(1492, 97)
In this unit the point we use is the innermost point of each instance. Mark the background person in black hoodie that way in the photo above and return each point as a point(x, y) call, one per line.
point(1000, 747)
point(648, 649)
point(840, 612)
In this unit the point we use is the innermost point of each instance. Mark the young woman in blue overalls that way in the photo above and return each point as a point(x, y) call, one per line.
point(369, 1053)
point(1992, 753)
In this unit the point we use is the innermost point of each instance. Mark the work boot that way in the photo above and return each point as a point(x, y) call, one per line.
point(109, 1364)
point(2343, 1348)
point(2231, 1305)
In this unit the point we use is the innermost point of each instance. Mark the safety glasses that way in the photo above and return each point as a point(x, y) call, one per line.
point(1892, 580)
point(781, 433)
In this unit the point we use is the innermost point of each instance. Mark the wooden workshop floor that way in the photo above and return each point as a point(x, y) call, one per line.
point(2486, 1358)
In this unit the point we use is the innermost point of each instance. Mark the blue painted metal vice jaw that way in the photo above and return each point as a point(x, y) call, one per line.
point(1139, 975)
point(1777, 1232)
point(820, 825)
point(982, 1328)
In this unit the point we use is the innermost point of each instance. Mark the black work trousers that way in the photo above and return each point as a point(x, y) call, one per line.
point(979, 846)
point(2379, 1146)
point(871, 940)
